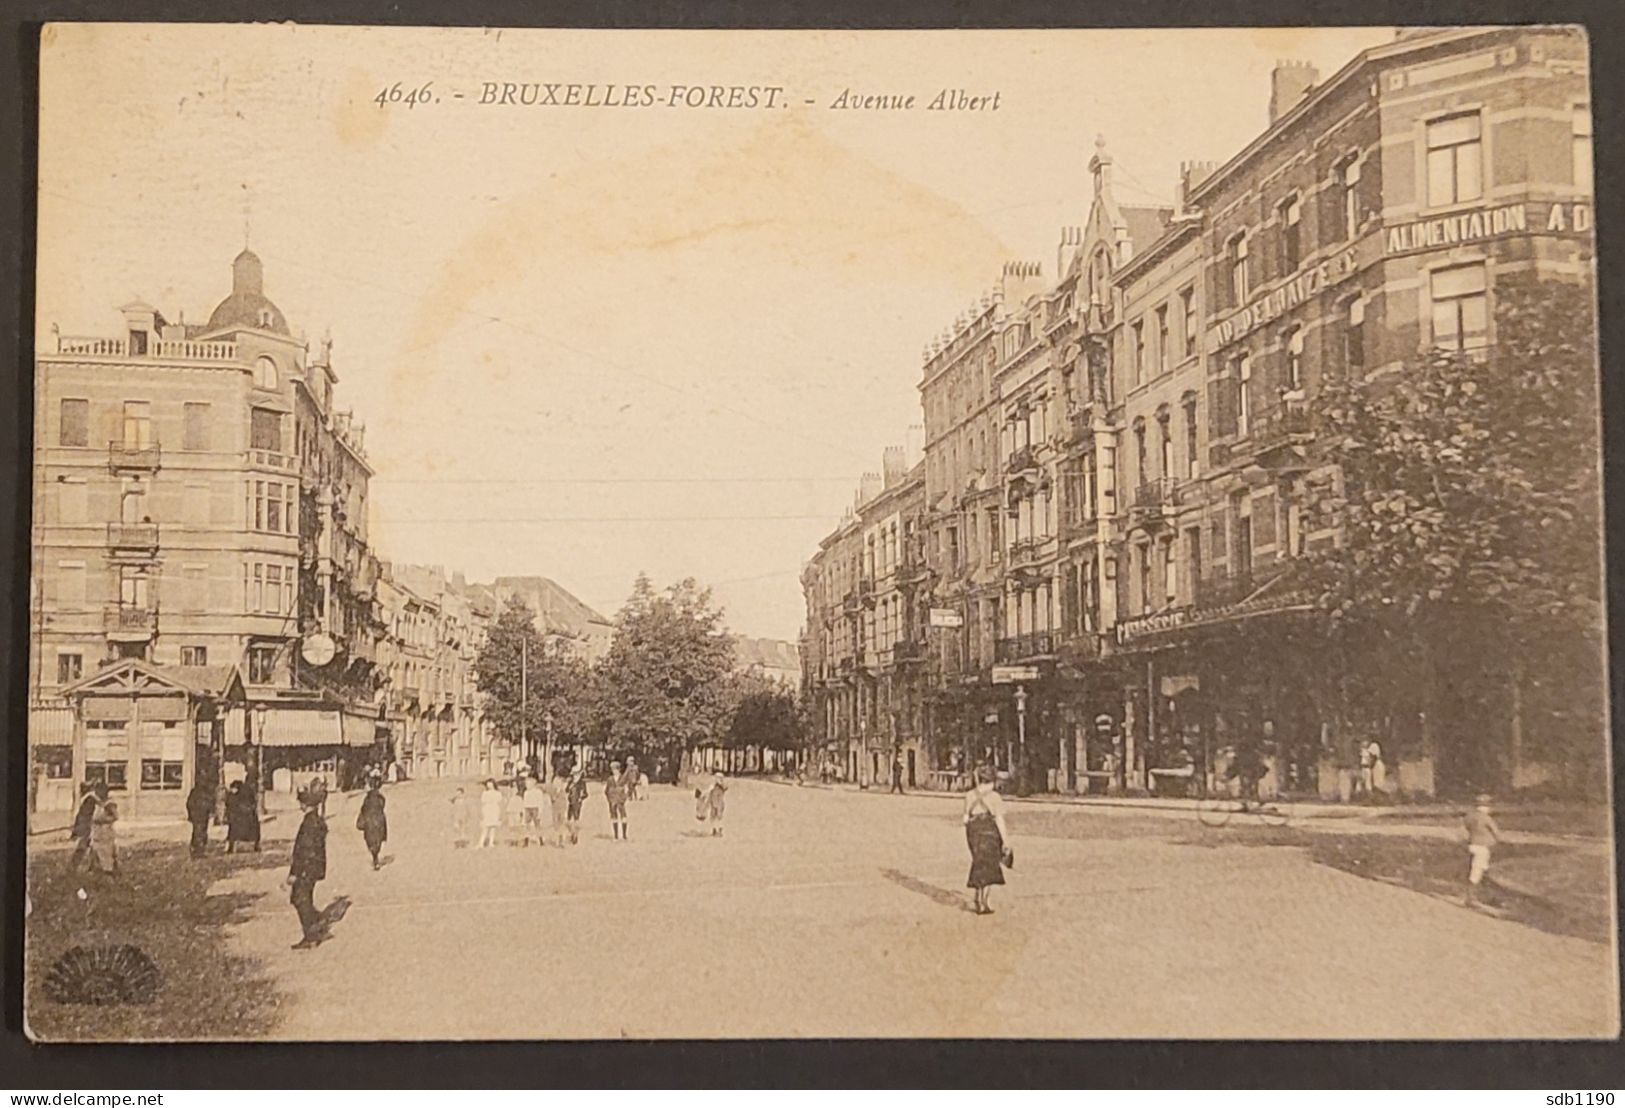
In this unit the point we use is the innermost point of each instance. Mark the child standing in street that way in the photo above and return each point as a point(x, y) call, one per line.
point(713, 802)
point(1482, 834)
point(615, 794)
point(459, 819)
point(575, 795)
point(490, 814)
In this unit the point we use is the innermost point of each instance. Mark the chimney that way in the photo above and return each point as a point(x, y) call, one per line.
point(1192, 174)
point(1071, 243)
point(868, 487)
point(892, 468)
point(1020, 280)
point(913, 444)
point(1290, 82)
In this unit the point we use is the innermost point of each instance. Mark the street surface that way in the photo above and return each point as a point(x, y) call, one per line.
point(834, 913)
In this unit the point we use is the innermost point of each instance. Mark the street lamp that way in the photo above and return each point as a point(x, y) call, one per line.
point(1021, 738)
point(260, 714)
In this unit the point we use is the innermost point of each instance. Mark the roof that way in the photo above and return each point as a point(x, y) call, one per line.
point(133, 675)
point(558, 611)
point(248, 306)
point(767, 653)
point(1145, 225)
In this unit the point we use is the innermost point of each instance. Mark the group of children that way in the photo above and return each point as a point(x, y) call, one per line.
point(551, 812)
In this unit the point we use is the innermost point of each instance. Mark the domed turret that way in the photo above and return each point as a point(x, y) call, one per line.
point(248, 306)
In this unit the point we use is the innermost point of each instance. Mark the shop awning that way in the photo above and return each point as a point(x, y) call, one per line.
point(359, 730)
point(298, 727)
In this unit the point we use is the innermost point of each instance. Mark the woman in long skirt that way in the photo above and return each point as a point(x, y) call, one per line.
point(372, 822)
point(242, 818)
point(987, 836)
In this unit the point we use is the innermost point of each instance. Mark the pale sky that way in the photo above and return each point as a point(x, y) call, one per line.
point(592, 341)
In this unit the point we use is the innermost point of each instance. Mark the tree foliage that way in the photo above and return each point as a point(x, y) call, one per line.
point(764, 714)
point(1467, 501)
point(551, 683)
point(665, 683)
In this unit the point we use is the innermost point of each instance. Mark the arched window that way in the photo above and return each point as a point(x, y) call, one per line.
point(265, 376)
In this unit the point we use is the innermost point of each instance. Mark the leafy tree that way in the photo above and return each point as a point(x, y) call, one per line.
point(552, 682)
point(664, 685)
point(1467, 504)
point(765, 714)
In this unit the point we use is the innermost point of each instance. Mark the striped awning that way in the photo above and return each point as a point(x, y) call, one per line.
point(298, 727)
point(359, 730)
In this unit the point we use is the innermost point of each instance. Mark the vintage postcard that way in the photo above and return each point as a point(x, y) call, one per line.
point(550, 534)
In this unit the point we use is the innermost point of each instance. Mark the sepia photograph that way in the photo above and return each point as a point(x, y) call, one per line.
point(1062, 534)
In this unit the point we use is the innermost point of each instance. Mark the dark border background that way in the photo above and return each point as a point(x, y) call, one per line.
point(814, 1063)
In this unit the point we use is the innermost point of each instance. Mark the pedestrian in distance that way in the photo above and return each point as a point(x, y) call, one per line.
point(318, 792)
point(1379, 770)
point(372, 823)
point(242, 818)
point(513, 811)
point(199, 811)
point(490, 814)
point(615, 794)
point(83, 820)
point(558, 802)
point(987, 836)
point(631, 777)
point(532, 800)
point(714, 802)
point(575, 796)
point(104, 834)
point(897, 773)
point(309, 866)
point(461, 819)
point(1482, 835)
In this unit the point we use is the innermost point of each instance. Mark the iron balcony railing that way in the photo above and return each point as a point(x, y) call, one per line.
point(131, 620)
point(128, 455)
point(1157, 495)
point(1281, 425)
point(133, 537)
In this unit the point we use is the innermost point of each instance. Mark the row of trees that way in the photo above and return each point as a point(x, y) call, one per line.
point(1466, 585)
point(668, 684)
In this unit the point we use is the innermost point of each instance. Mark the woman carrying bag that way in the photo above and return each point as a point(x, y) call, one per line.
point(987, 836)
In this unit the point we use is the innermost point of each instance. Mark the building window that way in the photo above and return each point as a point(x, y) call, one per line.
point(1145, 577)
point(1187, 307)
point(1192, 466)
point(195, 435)
point(132, 588)
point(1354, 335)
point(265, 429)
point(1139, 450)
point(159, 775)
point(1455, 160)
point(261, 665)
point(1294, 359)
point(1170, 575)
point(1236, 253)
point(1166, 442)
point(1193, 558)
point(194, 655)
point(1162, 338)
point(1291, 214)
point(1244, 393)
point(1460, 307)
point(1351, 198)
point(74, 429)
point(1139, 351)
point(69, 667)
point(137, 423)
point(265, 376)
point(1581, 128)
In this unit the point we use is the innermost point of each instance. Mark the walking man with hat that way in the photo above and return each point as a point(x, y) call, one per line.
point(309, 866)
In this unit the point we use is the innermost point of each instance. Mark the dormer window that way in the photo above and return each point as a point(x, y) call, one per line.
point(265, 375)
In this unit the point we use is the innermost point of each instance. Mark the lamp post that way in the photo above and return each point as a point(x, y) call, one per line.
point(1021, 740)
point(260, 714)
point(547, 749)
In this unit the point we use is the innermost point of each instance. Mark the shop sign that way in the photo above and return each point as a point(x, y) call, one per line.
point(1010, 675)
point(1486, 223)
point(946, 617)
point(1271, 305)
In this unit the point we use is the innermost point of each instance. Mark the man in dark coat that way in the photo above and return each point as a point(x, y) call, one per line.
point(82, 821)
point(309, 866)
point(199, 811)
point(370, 821)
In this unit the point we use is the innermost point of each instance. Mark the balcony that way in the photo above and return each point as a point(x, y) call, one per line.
point(911, 650)
point(1021, 460)
point(1278, 432)
point(130, 623)
point(128, 457)
point(1037, 644)
point(133, 540)
point(271, 459)
point(852, 602)
point(174, 349)
point(1156, 499)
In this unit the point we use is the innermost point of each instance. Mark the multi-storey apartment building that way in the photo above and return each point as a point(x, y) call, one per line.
point(1161, 394)
point(170, 523)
